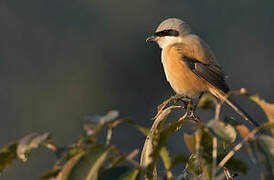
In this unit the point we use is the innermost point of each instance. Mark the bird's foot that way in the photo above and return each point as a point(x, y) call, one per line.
point(194, 117)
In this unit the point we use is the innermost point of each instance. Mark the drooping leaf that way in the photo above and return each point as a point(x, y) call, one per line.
point(152, 138)
point(206, 146)
point(66, 170)
point(226, 132)
point(193, 165)
point(156, 139)
point(204, 163)
point(93, 173)
point(190, 142)
point(165, 158)
point(133, 175)
point(142, 129)
point(243, 130)
point(166, 161)
point(266, 152)
point(235, 165)
point(118, 158)
point(66, 153)
point(116, 161)
point(119, 173)
point(166, 131)
point(162, 137)
point(7, 155)
point(84, 165)
point(33, 140)
point(267, 108)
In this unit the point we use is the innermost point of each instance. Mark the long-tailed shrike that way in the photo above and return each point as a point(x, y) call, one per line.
point(190, 65)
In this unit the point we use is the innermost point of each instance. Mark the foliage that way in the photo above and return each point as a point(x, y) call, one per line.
point(212, 147)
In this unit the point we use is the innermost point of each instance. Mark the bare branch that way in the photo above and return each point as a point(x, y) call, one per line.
point(214, 157)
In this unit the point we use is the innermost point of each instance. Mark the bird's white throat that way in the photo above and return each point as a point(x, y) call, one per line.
point(167, 40)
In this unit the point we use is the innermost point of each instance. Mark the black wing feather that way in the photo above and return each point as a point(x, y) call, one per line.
point(212, 73)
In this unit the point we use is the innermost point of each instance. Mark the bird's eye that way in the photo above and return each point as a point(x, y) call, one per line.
point(168, 32)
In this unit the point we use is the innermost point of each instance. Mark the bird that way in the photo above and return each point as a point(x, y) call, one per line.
point(190, 65)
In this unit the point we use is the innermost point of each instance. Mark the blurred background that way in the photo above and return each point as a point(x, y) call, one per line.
point(61, 60)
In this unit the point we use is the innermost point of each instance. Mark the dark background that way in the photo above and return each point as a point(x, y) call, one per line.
point(61, 60)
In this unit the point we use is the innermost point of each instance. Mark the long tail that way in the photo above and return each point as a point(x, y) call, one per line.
point(221, 95)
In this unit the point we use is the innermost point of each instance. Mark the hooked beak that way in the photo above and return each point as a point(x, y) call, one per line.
point(151, 39)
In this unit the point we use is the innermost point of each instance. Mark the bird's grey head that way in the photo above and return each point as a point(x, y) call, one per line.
point(170, 31)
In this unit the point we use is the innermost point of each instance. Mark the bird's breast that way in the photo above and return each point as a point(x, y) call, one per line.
point(181, 78)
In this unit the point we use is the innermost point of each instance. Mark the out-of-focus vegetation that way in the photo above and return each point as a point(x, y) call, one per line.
point(212, 147)
point(61, 60)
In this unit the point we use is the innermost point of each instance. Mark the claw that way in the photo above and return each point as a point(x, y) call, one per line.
point(193, 117)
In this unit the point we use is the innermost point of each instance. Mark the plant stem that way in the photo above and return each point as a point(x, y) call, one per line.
point(214, 157)
point(236, 148)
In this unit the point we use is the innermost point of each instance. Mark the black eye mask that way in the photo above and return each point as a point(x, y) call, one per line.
point(168, 32)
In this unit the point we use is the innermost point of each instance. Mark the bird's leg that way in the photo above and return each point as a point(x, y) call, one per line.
point(193, 109)
point(186, 100)
point(196, 104)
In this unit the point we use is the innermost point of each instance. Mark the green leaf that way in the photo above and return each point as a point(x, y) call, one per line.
point(33, 140)
point(119, 173)
point(162, 140)
point(172, 127)
point(133, 175)
point(51, 174)
point(266, 126)
point(165, 158)
point(235, 165)
point(156, 139)
point(206, 102)
point(68, 153)
point(7, 155)
point(231, 121)
point(266, 152)
point(93, 173)
point(142, 129)
point(166, 161)
point(115, 161)
point(223, 131)
point(84, 165)
point(193, 166)
point(152, 138)
point(206, 147)
point(178, 159)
